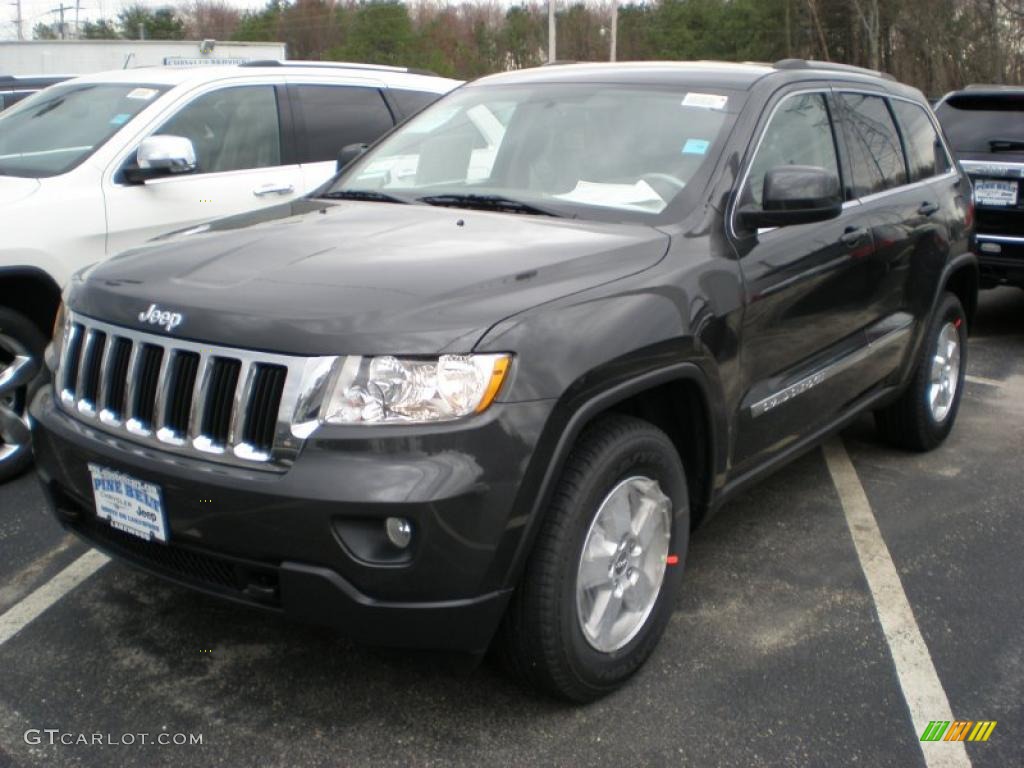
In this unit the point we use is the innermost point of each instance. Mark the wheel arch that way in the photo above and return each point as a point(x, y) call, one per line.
point(32, 292)
point(659, 395)
point(963, 280)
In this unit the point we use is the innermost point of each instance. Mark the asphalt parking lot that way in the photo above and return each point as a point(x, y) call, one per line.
point(776, 654)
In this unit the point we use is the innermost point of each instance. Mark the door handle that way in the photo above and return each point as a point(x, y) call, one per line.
point(927, 208)
point(853, 235)
point(273, 189)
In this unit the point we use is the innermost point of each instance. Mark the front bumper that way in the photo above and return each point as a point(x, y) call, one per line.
point(309, 542)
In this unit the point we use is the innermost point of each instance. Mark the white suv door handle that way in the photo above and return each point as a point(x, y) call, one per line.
point(273, 189)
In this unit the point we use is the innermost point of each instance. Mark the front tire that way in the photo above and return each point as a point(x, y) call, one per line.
point(601, 583)
point(924, 415)
point(21, 363)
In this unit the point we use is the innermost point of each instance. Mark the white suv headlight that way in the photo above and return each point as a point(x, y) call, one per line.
point(384, 390)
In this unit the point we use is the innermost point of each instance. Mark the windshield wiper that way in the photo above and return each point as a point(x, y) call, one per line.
point(1006, 145)
point(370, 195)
point(488, 203)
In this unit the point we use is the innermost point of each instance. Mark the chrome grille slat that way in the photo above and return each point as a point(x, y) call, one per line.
point(195, 404)
point(70, 362)
point(243, 391)
point(199, 394)
point(106, 357)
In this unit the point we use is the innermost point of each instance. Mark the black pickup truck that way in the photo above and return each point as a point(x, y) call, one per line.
point(985, 126)
point(481, 386)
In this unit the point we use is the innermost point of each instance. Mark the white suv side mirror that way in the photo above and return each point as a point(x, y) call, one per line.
point(159, 155)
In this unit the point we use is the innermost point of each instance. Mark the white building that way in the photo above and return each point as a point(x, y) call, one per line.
point(82, 57)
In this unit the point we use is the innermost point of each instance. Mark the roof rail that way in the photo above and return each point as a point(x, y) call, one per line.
point(336, 65)
point(831, 66)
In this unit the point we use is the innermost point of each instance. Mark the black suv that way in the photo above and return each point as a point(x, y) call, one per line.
point(985, 126)
point(483, 384)
point(14, 89)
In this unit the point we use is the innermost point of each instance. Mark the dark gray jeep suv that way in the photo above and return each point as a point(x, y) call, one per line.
point(482, 385)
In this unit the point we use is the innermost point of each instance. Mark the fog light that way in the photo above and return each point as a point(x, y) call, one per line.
point(399, 531)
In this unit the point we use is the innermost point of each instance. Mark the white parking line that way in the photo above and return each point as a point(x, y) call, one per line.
point(982, 380)
point(21, 614)
point(918, 679)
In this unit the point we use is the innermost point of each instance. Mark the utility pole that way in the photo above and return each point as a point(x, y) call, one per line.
point(17, 5)
point(142, 30)
point(615, 30)
point(61, 10)
point(551, 31)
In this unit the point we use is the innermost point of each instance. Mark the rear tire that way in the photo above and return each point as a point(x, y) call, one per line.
point(924, 415)
point(585, 618)
point(21, 374)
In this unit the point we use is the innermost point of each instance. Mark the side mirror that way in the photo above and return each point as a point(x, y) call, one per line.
point(162, 155)
point(349, 153)
point(795, 194)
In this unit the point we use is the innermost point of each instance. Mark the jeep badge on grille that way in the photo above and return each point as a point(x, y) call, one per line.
point(165, 319)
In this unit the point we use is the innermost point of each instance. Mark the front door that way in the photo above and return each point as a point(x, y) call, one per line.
point(807, 286)
point(237, 135)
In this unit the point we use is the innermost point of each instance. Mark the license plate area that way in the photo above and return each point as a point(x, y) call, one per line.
point(997, 193)
point(128, 504)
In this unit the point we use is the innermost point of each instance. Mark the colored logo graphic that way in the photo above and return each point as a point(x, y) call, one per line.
point(958, 730)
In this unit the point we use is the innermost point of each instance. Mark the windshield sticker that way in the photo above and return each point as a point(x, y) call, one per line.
point(705, 100)
point(142, 94)
point(124, 117)
point(696, 146)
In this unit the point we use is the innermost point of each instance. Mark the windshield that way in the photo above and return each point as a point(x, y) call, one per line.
point(984, 123)
point(54, 130)
point(598, 150)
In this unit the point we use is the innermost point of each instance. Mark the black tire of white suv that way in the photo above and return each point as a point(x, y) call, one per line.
point(546, 638)
point(21, 364)
point(924, 414)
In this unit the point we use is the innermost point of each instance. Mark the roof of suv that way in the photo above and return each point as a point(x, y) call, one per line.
point(394, 77)
point(738, 76)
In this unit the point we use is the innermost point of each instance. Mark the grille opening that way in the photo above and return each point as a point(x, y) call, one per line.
point(93, 356)
point(220, 400)
point(117, 376)
point(149, 377)
point(74, 358)
point(184, 367)
point(261, 420)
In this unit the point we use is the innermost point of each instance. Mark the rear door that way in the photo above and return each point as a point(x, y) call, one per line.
point(331, 115)
point(901, 209)
point(245, 161)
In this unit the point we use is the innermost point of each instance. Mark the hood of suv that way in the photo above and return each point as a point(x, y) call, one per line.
point(13, 189)
point(360, 278)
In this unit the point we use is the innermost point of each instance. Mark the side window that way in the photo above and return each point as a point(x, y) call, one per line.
point(926, 155)
point(876, 157)
point(411, 102)
point(800, 133)
point(231, 129)
point(338, 115)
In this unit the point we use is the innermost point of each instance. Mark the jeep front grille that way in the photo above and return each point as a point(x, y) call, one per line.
point(220, 403)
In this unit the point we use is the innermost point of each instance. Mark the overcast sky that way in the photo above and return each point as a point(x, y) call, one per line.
point(34, 11)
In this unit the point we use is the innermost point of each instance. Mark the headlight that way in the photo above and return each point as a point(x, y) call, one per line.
point(385, 390)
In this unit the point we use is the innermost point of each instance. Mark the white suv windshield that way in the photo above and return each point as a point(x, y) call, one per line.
point(574, 149)
point(54, 130)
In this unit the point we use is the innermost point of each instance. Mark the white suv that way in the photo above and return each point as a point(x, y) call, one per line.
point(102, 163)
